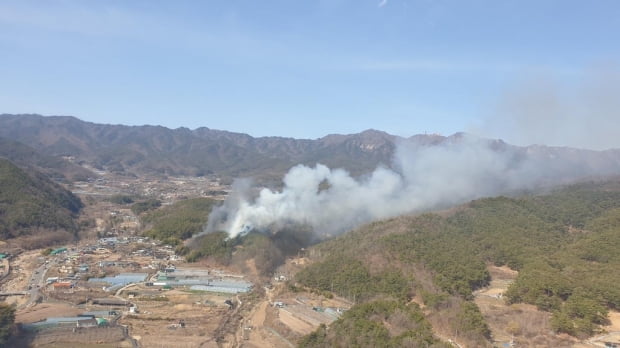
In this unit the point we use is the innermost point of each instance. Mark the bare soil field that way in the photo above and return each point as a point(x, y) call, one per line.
point(17, 301)
point(611, 335)
point(158, 323)
point(302, 313)
point(41, 311)
point(294, 314)
point(614, 319)
point(69, 337)
point(257, 328)
point(295, 323)
point(256, 332)
point(522, 324)
point(22, 267)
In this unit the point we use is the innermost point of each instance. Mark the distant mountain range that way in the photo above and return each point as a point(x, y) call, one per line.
point(181, 151)
point(55, 167)
point(159, 150)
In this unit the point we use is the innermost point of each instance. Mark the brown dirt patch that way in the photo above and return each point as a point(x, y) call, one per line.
point(258, 318)
point(300, 326)
point(523, 323)
point(91, 337)
point(156, 324)
point(502, 272)
point(614, 318)
point(42, 311)
point(21, 270)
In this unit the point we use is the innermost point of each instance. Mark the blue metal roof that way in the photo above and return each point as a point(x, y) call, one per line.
point(224, 286)
point(121, 279)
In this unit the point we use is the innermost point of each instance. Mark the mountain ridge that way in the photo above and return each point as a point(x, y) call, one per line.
point(28, 158)
point(202, 151)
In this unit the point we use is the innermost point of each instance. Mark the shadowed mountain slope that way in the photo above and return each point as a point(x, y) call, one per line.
point(31, 203)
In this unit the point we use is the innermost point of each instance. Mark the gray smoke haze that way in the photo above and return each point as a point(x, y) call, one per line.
point(583, 112)
point(331, 201)
point(458, 169)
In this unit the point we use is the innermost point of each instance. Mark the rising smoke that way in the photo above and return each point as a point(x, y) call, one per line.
point(582, 111)
point(318, 202)
point(330, 201)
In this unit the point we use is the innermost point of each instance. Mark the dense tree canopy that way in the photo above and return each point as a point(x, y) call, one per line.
point(174, 223)
point(7, 317)
point(30, 201)
point(373, 324)
point(564, 245)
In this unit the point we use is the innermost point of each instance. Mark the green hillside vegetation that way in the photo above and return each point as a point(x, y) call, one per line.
point(143, 206)
point(214, 245)
point(7, 317)
point(266, 250)
point(177, 222)
point(364, 267)
point(349, 277)
point(363, 326)
point(30, 202)
point(564, 245)
point(122, 199)
point(269, 250)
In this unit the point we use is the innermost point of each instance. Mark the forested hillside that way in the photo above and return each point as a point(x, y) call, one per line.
point(30, 204)
point(174, 223)
point(7, 317)
point(564, 245)
point(178, 223)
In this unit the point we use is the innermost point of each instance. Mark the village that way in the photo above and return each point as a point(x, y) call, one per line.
point(117, 288)
point(112, 282)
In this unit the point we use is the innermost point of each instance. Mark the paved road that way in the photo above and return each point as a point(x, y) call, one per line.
point(35, 283)
point(14, 293)
point(599, 341)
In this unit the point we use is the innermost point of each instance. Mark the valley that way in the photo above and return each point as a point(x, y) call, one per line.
point(59, 282)
point(275, 313)
point(312, 174)
point(127, 263)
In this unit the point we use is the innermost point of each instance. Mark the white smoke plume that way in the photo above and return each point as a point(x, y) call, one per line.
point(330, 201)
point(457, 169)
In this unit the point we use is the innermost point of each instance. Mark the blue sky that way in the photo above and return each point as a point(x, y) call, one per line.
point(306, 68)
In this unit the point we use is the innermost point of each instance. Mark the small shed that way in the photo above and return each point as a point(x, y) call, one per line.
point(108, 301)
point(58, 251)
point(102, 322)
point(63, 285)
point(87, 323)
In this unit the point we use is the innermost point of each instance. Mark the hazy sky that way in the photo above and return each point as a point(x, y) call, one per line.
point(307, 68)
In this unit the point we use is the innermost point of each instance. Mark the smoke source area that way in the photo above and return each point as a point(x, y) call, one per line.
point(422, 177)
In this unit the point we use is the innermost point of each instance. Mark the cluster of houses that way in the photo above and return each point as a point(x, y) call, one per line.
point(73, 262)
